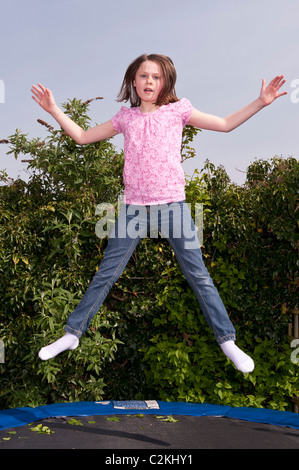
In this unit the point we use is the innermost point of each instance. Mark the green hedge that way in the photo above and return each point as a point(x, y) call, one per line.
point(150, 340)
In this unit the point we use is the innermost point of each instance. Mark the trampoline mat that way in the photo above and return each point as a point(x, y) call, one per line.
point(149, 432)
point(134, 429)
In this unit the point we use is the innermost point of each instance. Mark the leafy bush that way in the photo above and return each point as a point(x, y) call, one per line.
point(150, 339)
point(185, 363)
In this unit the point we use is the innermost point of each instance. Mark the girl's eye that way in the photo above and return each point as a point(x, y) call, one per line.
point(156, 77)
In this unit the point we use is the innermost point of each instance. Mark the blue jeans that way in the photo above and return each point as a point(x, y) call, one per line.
point(175, 223)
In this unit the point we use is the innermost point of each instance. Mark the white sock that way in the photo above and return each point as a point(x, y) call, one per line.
point(242, 362)
point(68, 341)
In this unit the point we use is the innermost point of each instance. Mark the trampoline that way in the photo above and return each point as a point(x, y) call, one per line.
point(133, 428)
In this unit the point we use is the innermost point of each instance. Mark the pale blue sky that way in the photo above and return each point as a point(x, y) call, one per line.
point(221, 50)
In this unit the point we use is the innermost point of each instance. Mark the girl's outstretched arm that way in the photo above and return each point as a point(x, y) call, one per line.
point(44, 97)
point(267, 95)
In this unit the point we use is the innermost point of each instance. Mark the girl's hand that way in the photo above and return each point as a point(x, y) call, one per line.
point(44, 98)
point(271, 92)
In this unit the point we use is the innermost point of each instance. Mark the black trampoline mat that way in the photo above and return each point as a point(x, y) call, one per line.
point(119, 432)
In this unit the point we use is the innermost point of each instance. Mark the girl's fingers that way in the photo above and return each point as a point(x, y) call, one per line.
point(282, 94)
point(278, 81)
point(42, 87)
point(35, 92)
point(282, 83)
point(38, 92)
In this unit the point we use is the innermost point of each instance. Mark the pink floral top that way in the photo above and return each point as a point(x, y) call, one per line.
point(153, 172)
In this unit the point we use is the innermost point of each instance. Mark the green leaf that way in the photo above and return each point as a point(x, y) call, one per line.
point(75, 422)
point(167, 419)
point(42, 429)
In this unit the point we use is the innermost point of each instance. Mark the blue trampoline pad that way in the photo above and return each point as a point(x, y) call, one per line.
point(21, 416)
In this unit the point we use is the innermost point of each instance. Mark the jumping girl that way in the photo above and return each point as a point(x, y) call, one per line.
point(154, 179)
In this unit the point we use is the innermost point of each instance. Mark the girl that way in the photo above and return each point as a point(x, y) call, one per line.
point(154, 184)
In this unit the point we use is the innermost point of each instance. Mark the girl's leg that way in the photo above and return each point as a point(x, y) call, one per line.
point(121, 245)
point(188, 253)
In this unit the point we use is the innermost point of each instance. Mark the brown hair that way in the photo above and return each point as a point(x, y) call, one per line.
point(167, 94)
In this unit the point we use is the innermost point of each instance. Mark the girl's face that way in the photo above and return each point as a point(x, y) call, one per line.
point(148, 81)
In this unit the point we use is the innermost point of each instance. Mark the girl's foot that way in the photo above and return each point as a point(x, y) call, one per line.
point(67, 342)
point(242, 362)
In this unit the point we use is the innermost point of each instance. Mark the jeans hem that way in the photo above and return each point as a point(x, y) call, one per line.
point(76, 333)
point(224, 339)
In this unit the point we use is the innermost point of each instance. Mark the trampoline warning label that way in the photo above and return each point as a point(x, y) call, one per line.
point(136, 405)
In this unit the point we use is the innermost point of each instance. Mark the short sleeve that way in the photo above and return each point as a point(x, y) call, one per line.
point(118, 120)
point(185, 108)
